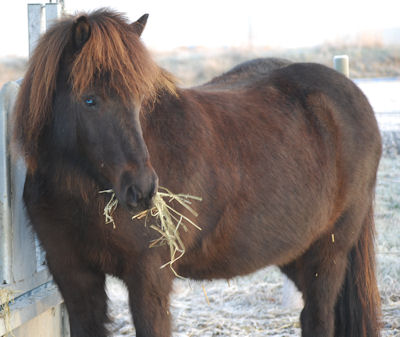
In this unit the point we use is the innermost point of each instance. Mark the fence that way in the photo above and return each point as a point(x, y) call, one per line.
point(30, 302)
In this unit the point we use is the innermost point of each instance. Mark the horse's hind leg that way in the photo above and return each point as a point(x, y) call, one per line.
point(319, 274)
point(321, 281)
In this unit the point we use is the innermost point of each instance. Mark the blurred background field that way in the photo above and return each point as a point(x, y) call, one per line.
point(11, 68)
point(195, 65)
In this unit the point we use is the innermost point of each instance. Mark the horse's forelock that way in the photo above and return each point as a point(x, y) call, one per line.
point(115, 59)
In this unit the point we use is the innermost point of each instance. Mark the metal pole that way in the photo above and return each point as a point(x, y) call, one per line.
point(341, 64)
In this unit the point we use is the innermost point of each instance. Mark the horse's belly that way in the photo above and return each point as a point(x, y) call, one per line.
point(241, 255)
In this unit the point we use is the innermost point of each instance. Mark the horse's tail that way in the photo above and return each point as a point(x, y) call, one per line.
point(358, 306)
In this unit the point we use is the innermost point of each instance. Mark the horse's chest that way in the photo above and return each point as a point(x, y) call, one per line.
point(105, 258)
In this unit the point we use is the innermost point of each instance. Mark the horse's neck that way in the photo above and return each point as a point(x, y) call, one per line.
point(173, 130)
point(169, 114)
point(162, 118)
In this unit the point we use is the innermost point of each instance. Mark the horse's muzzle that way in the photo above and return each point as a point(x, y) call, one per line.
point(136, 193)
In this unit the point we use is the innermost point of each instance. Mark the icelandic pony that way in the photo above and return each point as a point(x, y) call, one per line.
point(284, 156)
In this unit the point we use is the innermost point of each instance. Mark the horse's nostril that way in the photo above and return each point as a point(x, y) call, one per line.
point(133, 196)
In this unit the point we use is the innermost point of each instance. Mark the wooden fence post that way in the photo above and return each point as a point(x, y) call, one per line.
point(53, 12)
point(36, 24)
point(40, 18)
point(341, 64)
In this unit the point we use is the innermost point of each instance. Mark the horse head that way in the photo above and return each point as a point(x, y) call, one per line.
point(101, 76)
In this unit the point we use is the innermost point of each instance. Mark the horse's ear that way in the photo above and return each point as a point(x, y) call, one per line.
point(80, 32)
point(138, 26)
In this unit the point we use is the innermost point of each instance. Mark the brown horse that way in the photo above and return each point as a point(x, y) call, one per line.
point(284, 156)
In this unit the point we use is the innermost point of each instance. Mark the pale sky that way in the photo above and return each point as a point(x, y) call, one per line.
point(222, 23)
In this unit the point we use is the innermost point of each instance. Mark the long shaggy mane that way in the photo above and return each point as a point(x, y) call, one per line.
point(113, 60)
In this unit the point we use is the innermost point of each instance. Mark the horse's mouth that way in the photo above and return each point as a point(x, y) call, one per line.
point(134, 203)
point(138, 208)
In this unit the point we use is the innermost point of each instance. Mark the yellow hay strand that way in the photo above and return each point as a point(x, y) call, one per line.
point(205, 294)
point(110, 208)
point(6, 297)
point(168, 221)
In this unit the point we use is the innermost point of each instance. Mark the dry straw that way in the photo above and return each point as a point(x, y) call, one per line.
point(110, 208)
point(167, 220)
point(6, 297)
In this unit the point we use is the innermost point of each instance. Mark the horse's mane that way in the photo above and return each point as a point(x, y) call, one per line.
point(113, 58)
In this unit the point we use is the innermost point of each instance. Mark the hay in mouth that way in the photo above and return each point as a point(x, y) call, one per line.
point(167, 221)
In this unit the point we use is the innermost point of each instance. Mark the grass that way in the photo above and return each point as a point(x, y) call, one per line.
point(387, 217)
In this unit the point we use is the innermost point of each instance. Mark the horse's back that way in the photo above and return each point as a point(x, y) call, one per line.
point(329, 101)
point(245, 74)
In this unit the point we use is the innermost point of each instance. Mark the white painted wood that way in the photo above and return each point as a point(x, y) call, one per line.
point(36, 24)
point(341, 64)
point(24, 257)
point(27, 307)
point(53, 12)
point(24, 286)
point(47, 324)
point(17, 240)
point(7, 98)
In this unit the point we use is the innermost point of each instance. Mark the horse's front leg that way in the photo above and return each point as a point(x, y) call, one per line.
point(149, 288)
point(83, 290)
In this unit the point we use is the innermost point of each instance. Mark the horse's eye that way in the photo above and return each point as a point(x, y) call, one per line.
point(90, 101)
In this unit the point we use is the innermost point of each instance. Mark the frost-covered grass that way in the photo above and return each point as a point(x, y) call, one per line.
point(387, 217)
